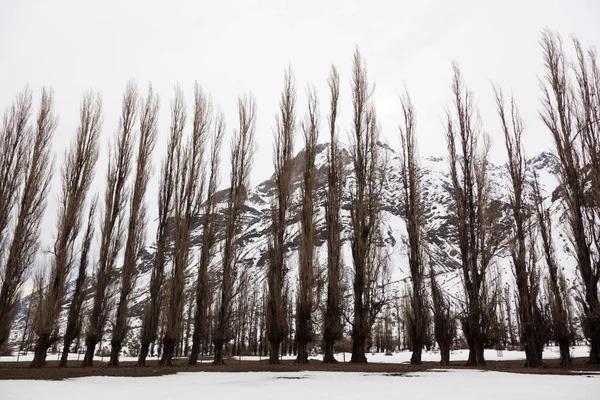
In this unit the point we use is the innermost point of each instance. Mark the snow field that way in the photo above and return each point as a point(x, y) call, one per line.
point(444, 384)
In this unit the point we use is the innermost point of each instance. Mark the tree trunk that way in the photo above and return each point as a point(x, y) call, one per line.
point(329, 357)
point(533, 358)
point(415, 358)
point(41, 350)
point(66, 347)
point(358, 349)
point(302, 353)
point(479, 353)
point(144, 348)
point(471, 361)
point(335, 179)
point(195, 352)
point(274, 352)
point(595, 342)
point(64, 356)
point(476, 358)
point(445, 355)
point(359, 333)
point(90, 344)
point(474, 338)
point(219, 359)
point(565, 354)
point(115, 349)
point(168, 351)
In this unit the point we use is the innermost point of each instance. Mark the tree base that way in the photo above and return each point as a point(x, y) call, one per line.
point(445, 356)
point(65, 354)
point(88, 360)
point(168, 351)
point(115, 350)
point(145, 347)
point(329, 358)
point(358, 358)
point(195, 352)
point(41, 351)
point(358, 350)
point(302, 357)
point(218, 360)
point(415, 358)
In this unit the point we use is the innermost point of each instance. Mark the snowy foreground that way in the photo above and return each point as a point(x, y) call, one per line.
point(309, 385)
point(445, 384)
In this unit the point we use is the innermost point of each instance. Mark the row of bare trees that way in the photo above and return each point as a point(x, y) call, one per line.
point(77, 173)
point(544, 311)
point(213, 309)
point(186, 191)
point(369, 260)
point(571, 112)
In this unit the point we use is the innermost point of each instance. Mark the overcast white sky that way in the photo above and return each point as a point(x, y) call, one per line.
point(231, 47)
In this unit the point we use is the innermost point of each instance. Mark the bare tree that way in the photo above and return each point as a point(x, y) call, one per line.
point(37, 167)
point(332, 329)
point(512, 127)
point(364, 209)
point(73, 328)
point(306, 253)
point(587, 75)
point(417, 320)
point(113, 221)
point(557, 293)
point(172, 314)
point(478, 233)
point(569, 116)
point(136, 231)
point(13, 147)
point(242, 151)
point(77, 174)
point(152, 309)
point(209, 227)
point(462, 157)
point(12, 163)
point(283, 163)
point(188, 195)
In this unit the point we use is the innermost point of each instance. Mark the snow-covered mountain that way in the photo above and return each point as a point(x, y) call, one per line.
point(439, 212)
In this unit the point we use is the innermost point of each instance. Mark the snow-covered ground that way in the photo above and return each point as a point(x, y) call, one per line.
point(56, 357)
point(550, 352)
point(463, 355)
point(441, 384)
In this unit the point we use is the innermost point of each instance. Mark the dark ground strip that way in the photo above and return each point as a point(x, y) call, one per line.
point(21, 370)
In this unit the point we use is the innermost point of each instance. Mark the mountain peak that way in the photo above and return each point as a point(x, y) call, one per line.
point(545, 160)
